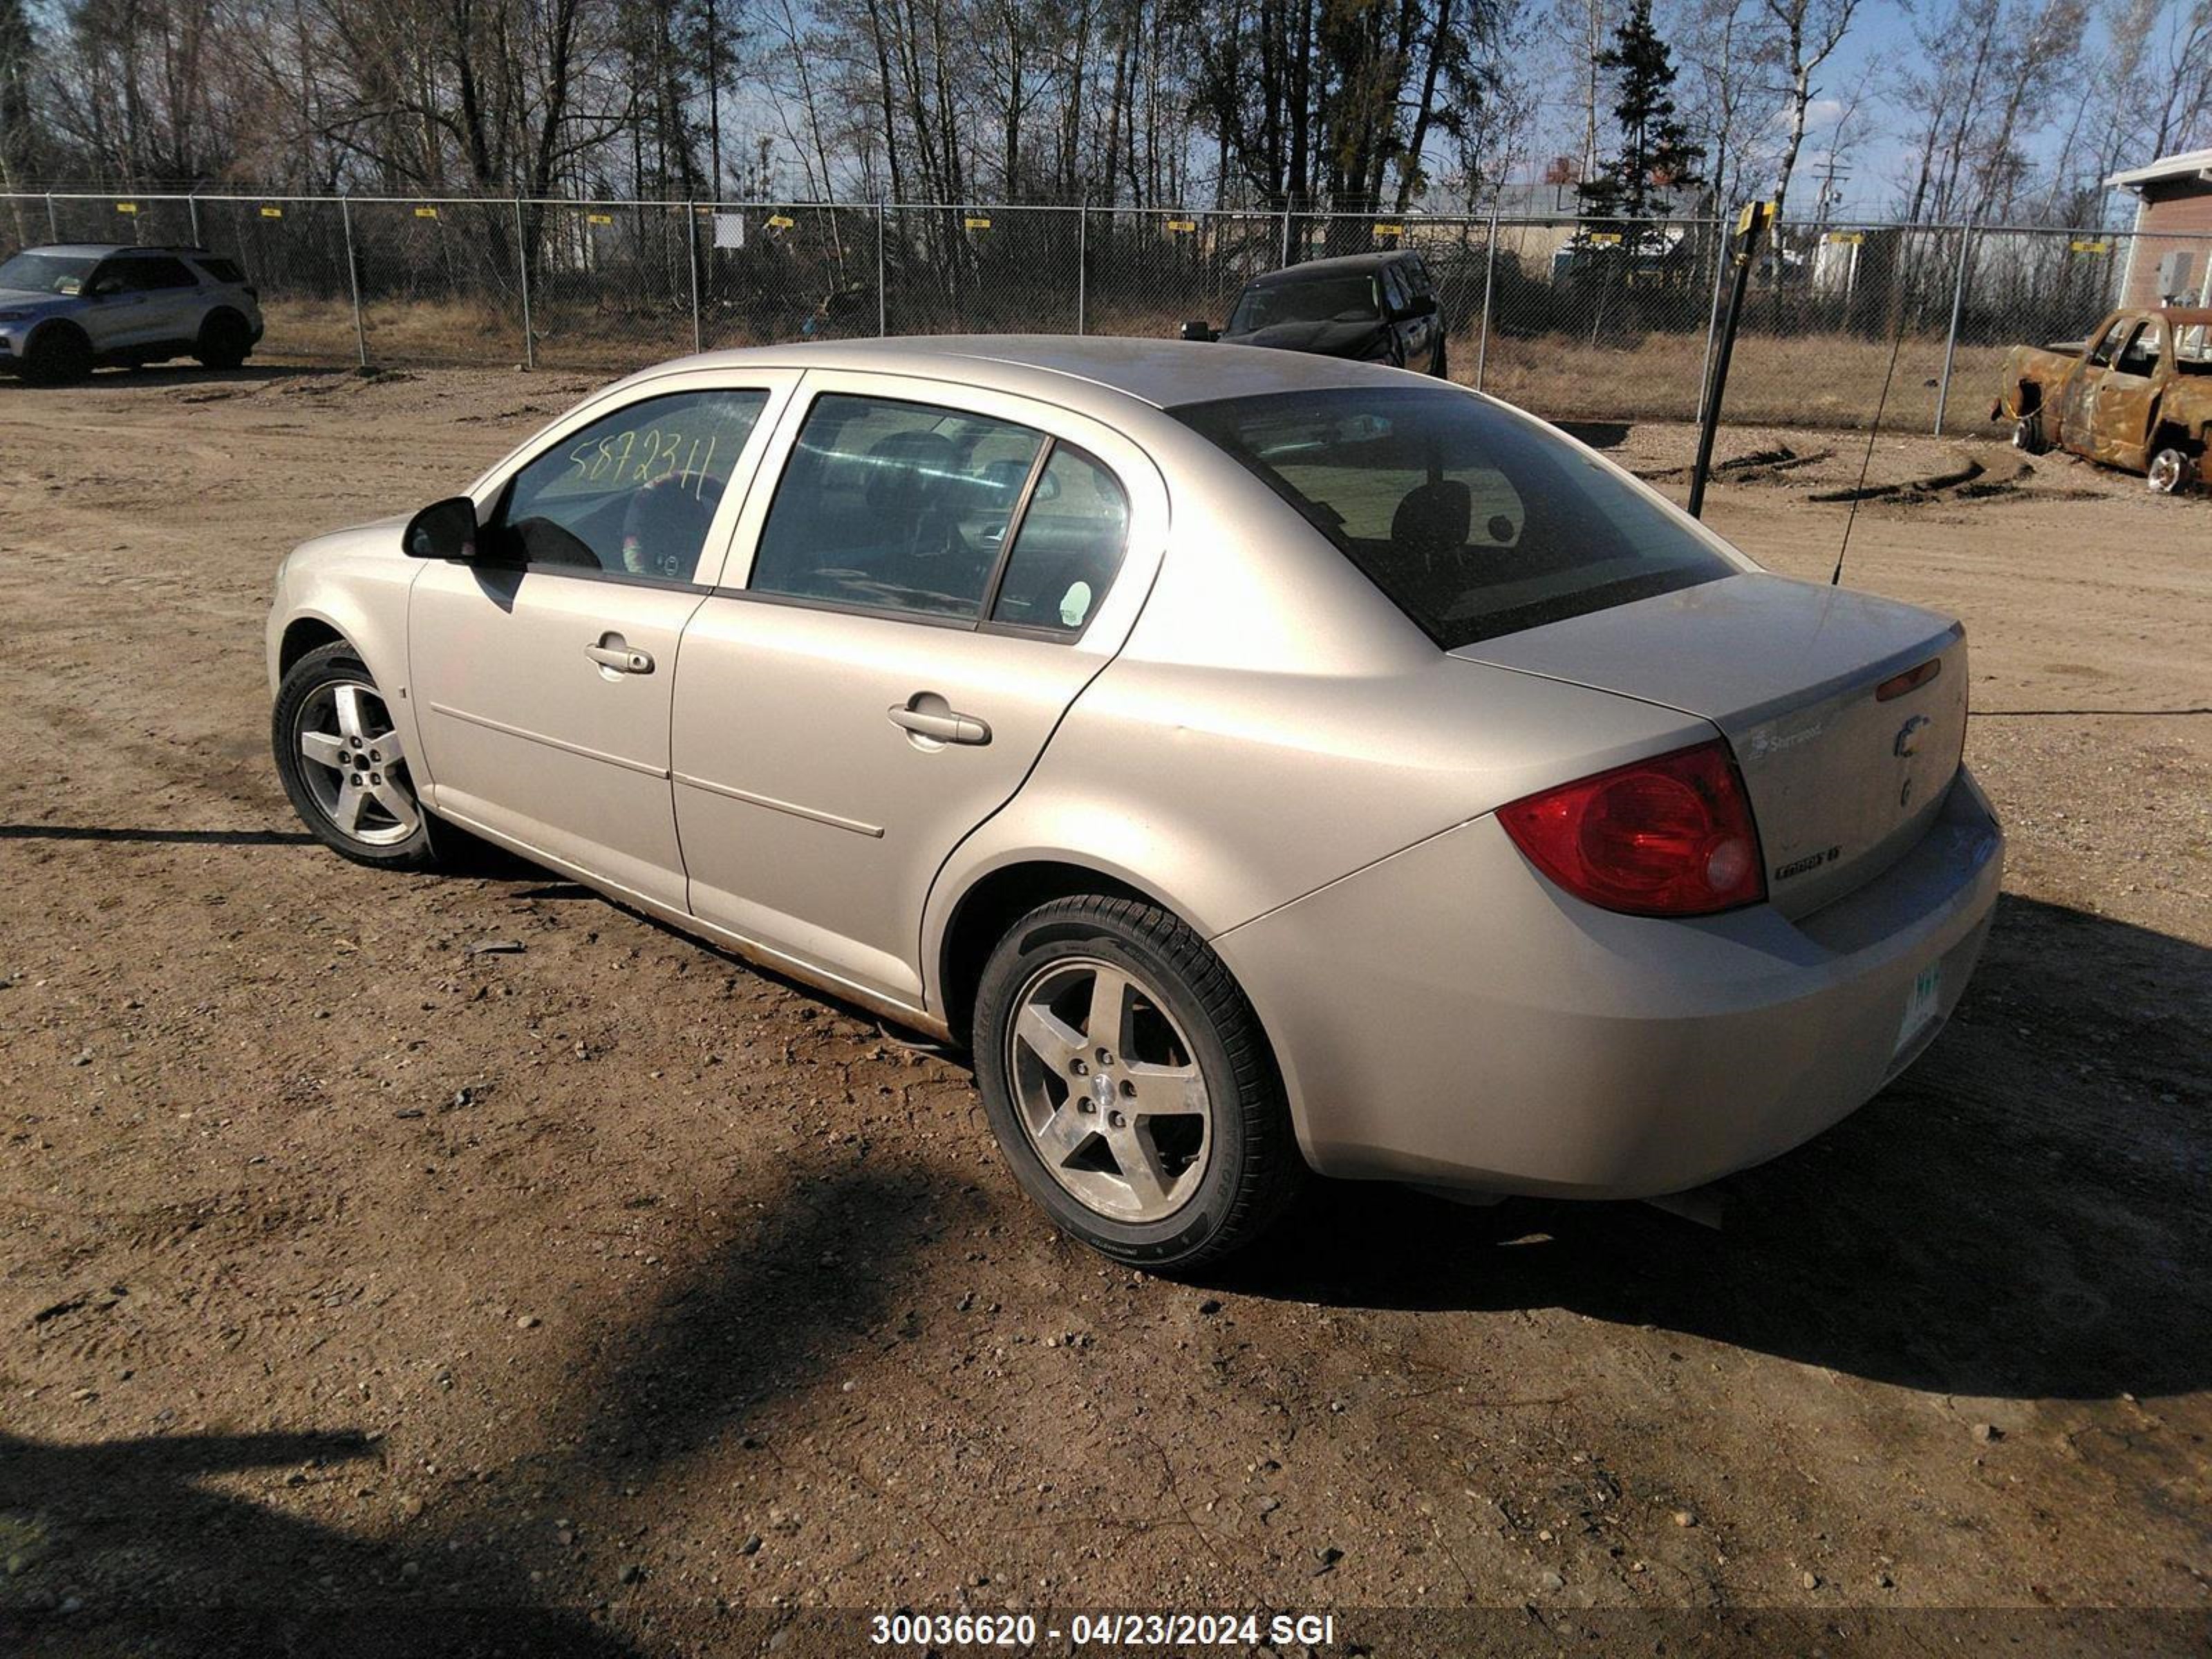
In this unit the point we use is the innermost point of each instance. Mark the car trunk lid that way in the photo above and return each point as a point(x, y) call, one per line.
point(1846, 772)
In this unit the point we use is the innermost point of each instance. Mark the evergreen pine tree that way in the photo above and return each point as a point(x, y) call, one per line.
point(1655, 156)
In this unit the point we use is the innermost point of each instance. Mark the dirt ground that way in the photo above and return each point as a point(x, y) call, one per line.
point(357, 1283)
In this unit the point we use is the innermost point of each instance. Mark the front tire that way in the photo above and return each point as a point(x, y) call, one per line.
point(1130, 1086)
point(345, 766)
point(57, 355)
point(2027, 433)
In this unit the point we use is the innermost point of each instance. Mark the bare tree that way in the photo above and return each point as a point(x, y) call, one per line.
point(1805, 33)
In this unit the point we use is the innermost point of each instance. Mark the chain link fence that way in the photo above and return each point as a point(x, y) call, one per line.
point(1575, 317)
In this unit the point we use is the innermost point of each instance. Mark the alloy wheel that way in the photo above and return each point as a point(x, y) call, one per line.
point(356, 764)
point(1108, 1090)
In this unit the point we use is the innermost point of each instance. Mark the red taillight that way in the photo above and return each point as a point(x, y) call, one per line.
point(1669, 837)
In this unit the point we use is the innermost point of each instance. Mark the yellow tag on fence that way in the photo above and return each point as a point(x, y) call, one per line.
point(1389, 230)
point(272, 213)
point(1182, 227)
point(977, 224)
point(1845, 238)
point(780, 222)
point(126, 206)
point(426, 213)
point(2092, 247)
point(1605, 238)
point(598, 218)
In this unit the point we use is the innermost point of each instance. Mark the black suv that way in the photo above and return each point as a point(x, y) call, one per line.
point(1376, 307)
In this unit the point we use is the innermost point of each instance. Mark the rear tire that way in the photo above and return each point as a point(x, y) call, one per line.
point(2027, 433)
point(2172, 470)
point(224, 342)
point(1165, 1142)
point(343, 765)
point(58, 354)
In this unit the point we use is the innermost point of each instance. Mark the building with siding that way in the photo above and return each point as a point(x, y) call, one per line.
point(2170, 255)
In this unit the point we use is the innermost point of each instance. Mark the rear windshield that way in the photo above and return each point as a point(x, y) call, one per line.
point(1475, 522)
point(47, 273)
point(1313, 300)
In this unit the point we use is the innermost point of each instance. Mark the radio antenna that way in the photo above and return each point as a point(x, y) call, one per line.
point(1858, 490)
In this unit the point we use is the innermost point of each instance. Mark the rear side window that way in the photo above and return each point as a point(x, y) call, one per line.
point(1474, 522)
point(1068, 548)
point(149, 273)
point(1307, 300)
point(224, 271)
point(893, 505)
point(635, 492)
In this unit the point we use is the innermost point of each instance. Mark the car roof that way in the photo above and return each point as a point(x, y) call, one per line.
point(1344, 264)
point(1071, 369)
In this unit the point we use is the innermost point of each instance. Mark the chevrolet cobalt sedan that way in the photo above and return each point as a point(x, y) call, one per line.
point(1261, 762)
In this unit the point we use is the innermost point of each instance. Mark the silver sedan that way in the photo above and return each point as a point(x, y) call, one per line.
point(1262, 763)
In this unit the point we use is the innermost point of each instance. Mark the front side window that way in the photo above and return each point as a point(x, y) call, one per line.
point(2142, 355)
point(633, 493)
point(1068, 548)
point(2102, 357)
point(886, 504)
point(1472, 521)
point(47, 273)
point(1308, 300)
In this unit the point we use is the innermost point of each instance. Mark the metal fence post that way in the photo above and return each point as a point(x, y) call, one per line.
point(1489, 282)
point(1082, 265)
point(1286, 233)
point(353, 279)
point(1951, 342)
point(1712, 318)
point(192, 207)
point(883, 291)
point(522, 264)
point(691, 243)
point(53, 225)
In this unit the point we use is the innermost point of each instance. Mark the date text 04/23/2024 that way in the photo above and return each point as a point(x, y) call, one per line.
point(1124, 1630)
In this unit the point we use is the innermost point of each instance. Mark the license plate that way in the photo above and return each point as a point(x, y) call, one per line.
point(1921, 1004)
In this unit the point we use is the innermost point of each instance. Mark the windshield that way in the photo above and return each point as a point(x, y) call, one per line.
point(47, 273)
point(1474, 521)
point(1311, 299)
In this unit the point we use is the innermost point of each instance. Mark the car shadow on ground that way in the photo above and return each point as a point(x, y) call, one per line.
point(157, 1547)
point(2023, 1214)
point(182, 1569)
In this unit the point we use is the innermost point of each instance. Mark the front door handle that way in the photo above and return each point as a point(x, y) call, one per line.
point(612, 653)
point(927, 715)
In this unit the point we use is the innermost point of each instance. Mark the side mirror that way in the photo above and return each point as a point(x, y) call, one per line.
point(443, 530)
point(1200, 332)
point(103, 288)
point(1421, 305)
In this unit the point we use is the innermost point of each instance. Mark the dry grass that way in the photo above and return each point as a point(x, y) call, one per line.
point(1826, 381)
point(1822, 380)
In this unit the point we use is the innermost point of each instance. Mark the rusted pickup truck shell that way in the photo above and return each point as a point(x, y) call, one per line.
point(2137, 394)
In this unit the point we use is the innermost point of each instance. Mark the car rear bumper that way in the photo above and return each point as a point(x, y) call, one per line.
point(1448, 1017)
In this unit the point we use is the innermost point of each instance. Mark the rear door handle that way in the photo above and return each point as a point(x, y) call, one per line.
point(610, 652)
point(926, 716)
